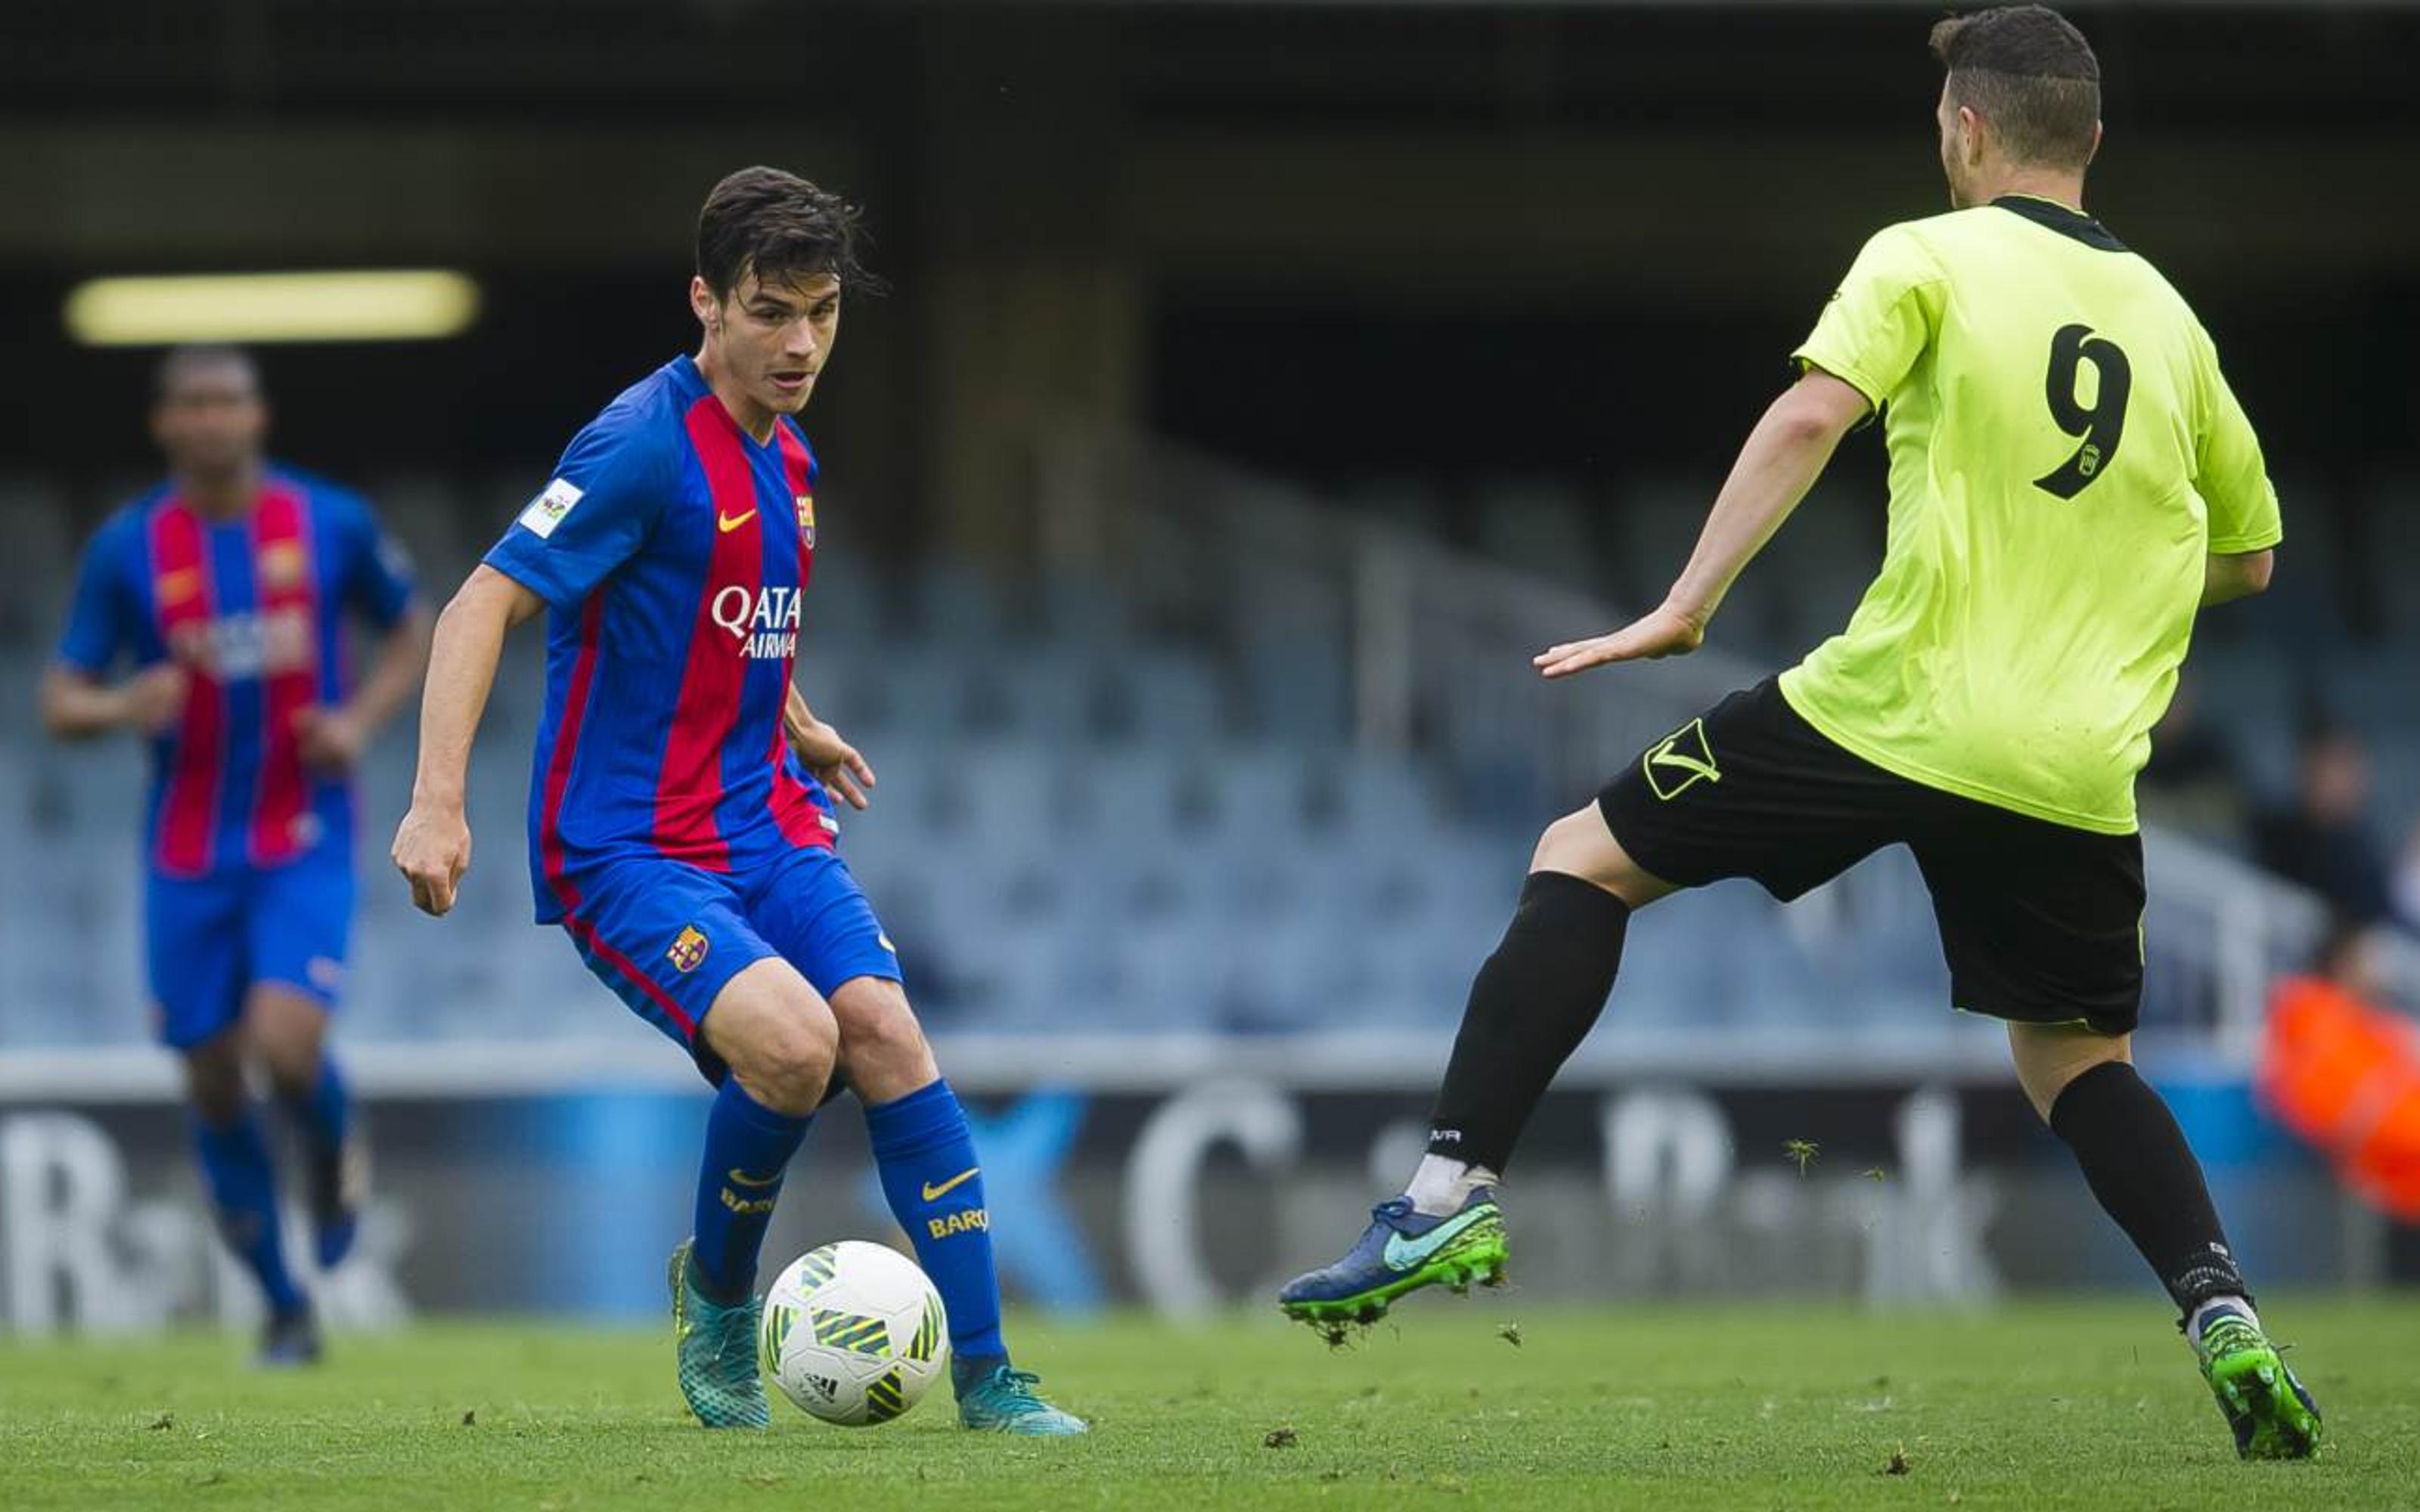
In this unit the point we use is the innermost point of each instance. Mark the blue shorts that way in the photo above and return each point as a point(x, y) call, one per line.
point(211, 940)
point(667, 936)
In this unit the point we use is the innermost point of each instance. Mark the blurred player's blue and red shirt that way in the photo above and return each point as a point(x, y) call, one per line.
point(672, 549)
point(253, 610)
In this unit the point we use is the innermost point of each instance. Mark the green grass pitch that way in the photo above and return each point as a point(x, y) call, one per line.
point(2039, 1405)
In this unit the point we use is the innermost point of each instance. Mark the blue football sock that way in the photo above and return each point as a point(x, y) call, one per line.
point(927, 1161)
point(243, 1195)
point(748, 1150)
point(324, 1113)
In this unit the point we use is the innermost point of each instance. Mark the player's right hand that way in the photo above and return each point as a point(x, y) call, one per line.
point(1663, 632)
point(155, 697)
point(433, 850)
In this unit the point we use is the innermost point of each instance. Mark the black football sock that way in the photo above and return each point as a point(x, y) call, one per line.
point(1535, 999)
point(2137, 1162)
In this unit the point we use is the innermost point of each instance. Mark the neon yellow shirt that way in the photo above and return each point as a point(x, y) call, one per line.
point(2063, 454)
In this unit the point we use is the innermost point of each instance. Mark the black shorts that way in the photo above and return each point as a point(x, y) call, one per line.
point(2041, 922)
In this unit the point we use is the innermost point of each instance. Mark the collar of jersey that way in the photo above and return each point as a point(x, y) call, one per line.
point(693, 387)
point(2051, 215)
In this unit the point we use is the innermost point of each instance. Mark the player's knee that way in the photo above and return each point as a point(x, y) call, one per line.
point(777, 1035)
point(882, 1046)
point(214, 1079)
point(787, 1060)
point(2049, 1056)
point(285, 1030)
point(1578, 845)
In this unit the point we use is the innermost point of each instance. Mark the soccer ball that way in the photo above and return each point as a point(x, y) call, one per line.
point(854, 1334)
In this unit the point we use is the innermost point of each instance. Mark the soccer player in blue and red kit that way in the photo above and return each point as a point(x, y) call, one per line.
point(680, 812)
point(228, 588)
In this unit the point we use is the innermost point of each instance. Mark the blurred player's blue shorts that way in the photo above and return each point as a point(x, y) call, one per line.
point(667, 936)
point(210, 939)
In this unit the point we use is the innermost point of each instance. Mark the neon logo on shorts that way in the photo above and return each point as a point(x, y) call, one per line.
point(1680, 761)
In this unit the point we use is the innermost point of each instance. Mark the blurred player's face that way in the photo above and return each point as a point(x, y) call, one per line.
point(766, 342)
point(211, 422)
point(2335, 780)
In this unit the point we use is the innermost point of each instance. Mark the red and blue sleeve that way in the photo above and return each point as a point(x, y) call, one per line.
point(592, 517)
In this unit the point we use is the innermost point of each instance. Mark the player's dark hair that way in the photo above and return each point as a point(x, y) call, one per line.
point(182, 363)
point(2031, 74)
point(782, 228)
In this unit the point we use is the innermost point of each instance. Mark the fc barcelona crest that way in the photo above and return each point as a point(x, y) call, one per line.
point(807, 520)
point(179, 584)
point(281, 565)
point(687, 951)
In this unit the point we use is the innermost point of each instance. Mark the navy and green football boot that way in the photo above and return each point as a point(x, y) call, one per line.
point(717, 1347)
point(1403, 1251)
point(2273, 1417)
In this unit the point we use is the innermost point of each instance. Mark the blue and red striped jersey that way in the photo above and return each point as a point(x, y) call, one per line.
point(671, 548)
point(253, 608)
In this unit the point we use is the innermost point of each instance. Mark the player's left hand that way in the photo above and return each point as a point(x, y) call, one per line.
point(1663, 632)
point(331, 738)
point(835, 763)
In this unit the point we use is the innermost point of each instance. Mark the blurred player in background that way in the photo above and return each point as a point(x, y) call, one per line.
point(227, 589)
point(680, 827)
point(2070, 479)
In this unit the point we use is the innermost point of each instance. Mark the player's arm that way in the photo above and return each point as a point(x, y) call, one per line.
point(835, 763)
point(77, 699)
point(1781, 459)
point(2227, 575)
point(76, 705)
point(378, 586)
point(334, 738)
point(432, 847)
point(2233, 481)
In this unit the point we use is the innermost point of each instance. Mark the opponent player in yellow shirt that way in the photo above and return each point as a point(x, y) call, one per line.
point(2070, 480)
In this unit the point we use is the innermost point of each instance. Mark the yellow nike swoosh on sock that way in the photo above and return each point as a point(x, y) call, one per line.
point(743, 1178)
point(933, 1193)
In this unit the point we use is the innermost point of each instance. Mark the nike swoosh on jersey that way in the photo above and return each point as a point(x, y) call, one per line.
point(933, 1193)
point(741, 1178)
point(1403, 1252)
point(727, 523)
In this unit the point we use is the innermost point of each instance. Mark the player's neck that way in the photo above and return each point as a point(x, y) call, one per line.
point(2034, 183)
point(222, 496)
point(753, 418)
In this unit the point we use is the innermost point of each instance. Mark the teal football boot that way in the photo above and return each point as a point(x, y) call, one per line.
point(1002, 1400)
point(717, 1347)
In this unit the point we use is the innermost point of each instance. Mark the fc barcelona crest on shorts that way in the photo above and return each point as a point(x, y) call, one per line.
point(1680, 761)
point(807, 520)
point(687, 951)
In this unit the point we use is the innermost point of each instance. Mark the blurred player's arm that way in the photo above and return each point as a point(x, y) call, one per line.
point(333, 739)
point(77, 699)
point(1783, 456)
point(432, 846)
point(76, 705)
point(835, 763)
